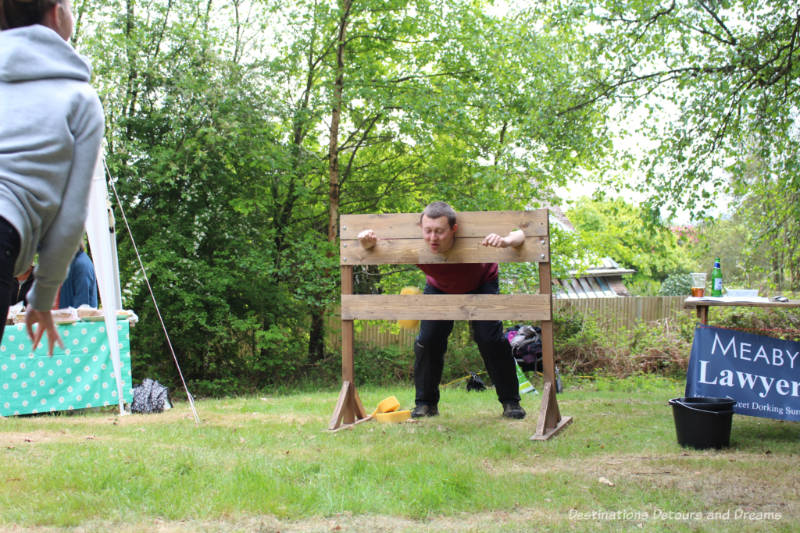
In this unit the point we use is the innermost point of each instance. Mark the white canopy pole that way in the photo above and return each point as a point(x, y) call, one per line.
point(112, 238)
point(100, 237)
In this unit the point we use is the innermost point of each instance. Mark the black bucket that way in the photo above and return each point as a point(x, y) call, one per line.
point(702, 422)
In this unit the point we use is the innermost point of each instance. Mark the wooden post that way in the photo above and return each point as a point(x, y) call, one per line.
point(550, 420)
point(702, 314)
point(349, 409)
point(348, 370)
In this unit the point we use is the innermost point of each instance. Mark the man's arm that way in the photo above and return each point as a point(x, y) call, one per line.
point(368, 239)
point(513, 239)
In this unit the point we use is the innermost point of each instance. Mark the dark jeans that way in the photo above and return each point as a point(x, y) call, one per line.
point(431, 345)
point(9, 250)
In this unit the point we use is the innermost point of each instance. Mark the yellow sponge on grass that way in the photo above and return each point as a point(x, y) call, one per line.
point(393, 417)
point(387, 405)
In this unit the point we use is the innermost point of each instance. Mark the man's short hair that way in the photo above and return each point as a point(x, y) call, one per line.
point(440, 209)
point(20, 13)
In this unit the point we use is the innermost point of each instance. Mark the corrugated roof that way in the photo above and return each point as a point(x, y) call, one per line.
point(606, 267)
point(583, 287)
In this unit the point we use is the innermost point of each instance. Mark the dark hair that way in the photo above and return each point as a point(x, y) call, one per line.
point(18, 13)
point(440, 209)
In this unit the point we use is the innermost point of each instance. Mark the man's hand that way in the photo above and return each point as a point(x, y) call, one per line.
point(368, 239)
point(45, 323)
point(515, 239)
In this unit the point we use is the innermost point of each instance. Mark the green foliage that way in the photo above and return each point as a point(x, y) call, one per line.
point(586, 344)
point(630, 236)
point(711, 91)
point(218, 144)
point(676, 285)
point(757, 247)
point(717, 82)
point(725, 239)
point(767, 207)
point(779, 323)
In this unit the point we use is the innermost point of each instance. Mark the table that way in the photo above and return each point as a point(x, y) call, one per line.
point(78, 376)
point(701, 305)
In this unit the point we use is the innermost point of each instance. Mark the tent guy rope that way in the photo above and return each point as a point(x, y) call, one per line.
point(152, 296)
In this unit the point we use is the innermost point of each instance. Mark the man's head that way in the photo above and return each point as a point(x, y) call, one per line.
point(438, 222)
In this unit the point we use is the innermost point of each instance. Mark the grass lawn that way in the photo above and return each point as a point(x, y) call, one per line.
point(268, 464)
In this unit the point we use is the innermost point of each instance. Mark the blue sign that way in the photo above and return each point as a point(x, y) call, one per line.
point(761, 373)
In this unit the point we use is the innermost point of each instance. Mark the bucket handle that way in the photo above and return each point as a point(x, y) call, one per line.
point(687, 406)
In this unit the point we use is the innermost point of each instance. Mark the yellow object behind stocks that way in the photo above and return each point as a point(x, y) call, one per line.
point(409, 324)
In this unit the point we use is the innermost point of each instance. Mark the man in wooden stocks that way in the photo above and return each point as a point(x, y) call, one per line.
point(438, 223)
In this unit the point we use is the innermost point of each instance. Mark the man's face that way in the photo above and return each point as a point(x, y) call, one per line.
point(438, 234)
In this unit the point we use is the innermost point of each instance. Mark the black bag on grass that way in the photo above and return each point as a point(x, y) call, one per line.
point(150, 397)
point(474, 383)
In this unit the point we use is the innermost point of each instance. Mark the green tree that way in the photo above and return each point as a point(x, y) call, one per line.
point(425, 103)
point(221, 145)
point(768, 210)
point(189, 136)
point(628, 235)
point(717, 81)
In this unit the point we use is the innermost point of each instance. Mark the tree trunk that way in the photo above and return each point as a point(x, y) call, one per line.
point(316, 343)
point(316, 340)
point(333, 147)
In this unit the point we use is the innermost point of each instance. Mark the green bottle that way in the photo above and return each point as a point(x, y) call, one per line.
point(716, 279)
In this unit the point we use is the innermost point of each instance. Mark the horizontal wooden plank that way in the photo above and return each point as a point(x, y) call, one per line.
point(470, 224)
point(446, 307)
point(465, 250)
point(693, 303)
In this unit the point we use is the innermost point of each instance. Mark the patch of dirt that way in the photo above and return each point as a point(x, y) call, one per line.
point(747, 487)
point(520, 520)
point(9, 440)
point(80, 428)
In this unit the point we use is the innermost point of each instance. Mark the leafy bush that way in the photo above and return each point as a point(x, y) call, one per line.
point(676, 285)
point(383, 366)
point(661, 347)
point(778, 323)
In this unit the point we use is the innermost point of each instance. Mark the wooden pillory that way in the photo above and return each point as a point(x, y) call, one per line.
point(400, 242)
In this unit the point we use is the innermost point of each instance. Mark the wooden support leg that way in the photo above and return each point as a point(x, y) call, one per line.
point(349, 410)
point(702, 314)
point(550, 419)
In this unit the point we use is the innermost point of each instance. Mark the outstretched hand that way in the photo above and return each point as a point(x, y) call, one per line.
point(495, 240)
point(45, 324)
point(368, 239)
point(515, 238)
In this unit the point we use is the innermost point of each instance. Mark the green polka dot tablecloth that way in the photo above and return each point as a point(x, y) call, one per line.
point(80, 375)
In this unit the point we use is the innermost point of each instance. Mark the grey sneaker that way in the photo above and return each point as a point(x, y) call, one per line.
point(424, 410)
point(512, 410)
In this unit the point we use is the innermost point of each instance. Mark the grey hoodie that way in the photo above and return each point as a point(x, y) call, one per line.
point(51, 126)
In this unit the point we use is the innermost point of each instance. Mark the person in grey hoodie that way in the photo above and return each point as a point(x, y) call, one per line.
point(51, 127)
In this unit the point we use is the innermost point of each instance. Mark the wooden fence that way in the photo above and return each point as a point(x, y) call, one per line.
point(616, 313)
point(623, 313)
